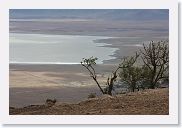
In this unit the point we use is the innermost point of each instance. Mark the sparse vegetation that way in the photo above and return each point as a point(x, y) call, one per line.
point(88, 64)
point(92, 95)
point(130, 74)
point(50, 102)
point(148, 102)
point(155, 58)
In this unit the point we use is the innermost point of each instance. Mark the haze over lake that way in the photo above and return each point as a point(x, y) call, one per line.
point(65, 36)
point(56, 49)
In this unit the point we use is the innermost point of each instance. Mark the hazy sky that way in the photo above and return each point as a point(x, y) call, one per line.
point(99, 22)
point(109, 14)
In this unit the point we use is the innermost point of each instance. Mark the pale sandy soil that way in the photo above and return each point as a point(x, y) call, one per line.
point(33, 84)
point(55, 75)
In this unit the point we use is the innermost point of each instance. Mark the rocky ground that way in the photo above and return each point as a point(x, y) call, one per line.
point(147, 102)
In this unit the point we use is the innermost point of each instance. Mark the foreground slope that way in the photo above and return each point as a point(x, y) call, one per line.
point(148, 102)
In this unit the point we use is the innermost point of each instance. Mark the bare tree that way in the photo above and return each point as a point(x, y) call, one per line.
point(155, 57)
point(88, 64)
point(110, 81)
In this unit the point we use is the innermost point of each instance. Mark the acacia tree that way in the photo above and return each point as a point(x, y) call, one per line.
point(155, 57)
point(126, 66)
point(130, 74)
point(89, 63)
point(126, 63)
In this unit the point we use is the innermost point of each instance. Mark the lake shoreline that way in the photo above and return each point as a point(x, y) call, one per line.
point(40, 48)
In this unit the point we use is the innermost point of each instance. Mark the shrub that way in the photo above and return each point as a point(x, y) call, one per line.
point(92, 95)
point(50, 102)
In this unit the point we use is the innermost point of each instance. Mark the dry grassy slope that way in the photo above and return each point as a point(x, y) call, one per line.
point(149, 102)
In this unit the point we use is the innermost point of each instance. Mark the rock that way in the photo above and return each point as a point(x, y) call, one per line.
point(50, 102)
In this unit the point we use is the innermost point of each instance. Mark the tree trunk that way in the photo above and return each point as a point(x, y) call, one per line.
point(133, 86)
point(98, 85)
point(111, 83)
point(153, 78)
point(110, 89)
point(152, 86)
point(133, 89)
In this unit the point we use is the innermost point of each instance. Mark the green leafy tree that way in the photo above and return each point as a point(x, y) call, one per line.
point(130, 74)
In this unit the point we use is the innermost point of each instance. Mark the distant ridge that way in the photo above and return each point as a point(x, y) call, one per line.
point(107, 14)
point(41, 63)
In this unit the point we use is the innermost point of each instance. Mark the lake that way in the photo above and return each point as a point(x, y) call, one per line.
point(56, 49)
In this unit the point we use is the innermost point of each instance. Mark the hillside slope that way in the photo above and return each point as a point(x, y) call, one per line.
point(148, 102)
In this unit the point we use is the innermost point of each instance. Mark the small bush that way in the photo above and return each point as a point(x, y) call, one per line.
point(92, 95)
point(50, 102)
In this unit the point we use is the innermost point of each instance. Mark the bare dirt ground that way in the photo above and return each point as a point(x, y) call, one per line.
point(33, 84)
point(147, 102)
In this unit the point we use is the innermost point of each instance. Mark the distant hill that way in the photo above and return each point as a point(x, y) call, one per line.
point(105, 14)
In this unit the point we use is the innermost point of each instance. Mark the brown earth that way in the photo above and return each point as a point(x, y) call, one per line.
point(147, 102)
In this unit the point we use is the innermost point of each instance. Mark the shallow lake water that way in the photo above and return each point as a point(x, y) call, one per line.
point(56, 49)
